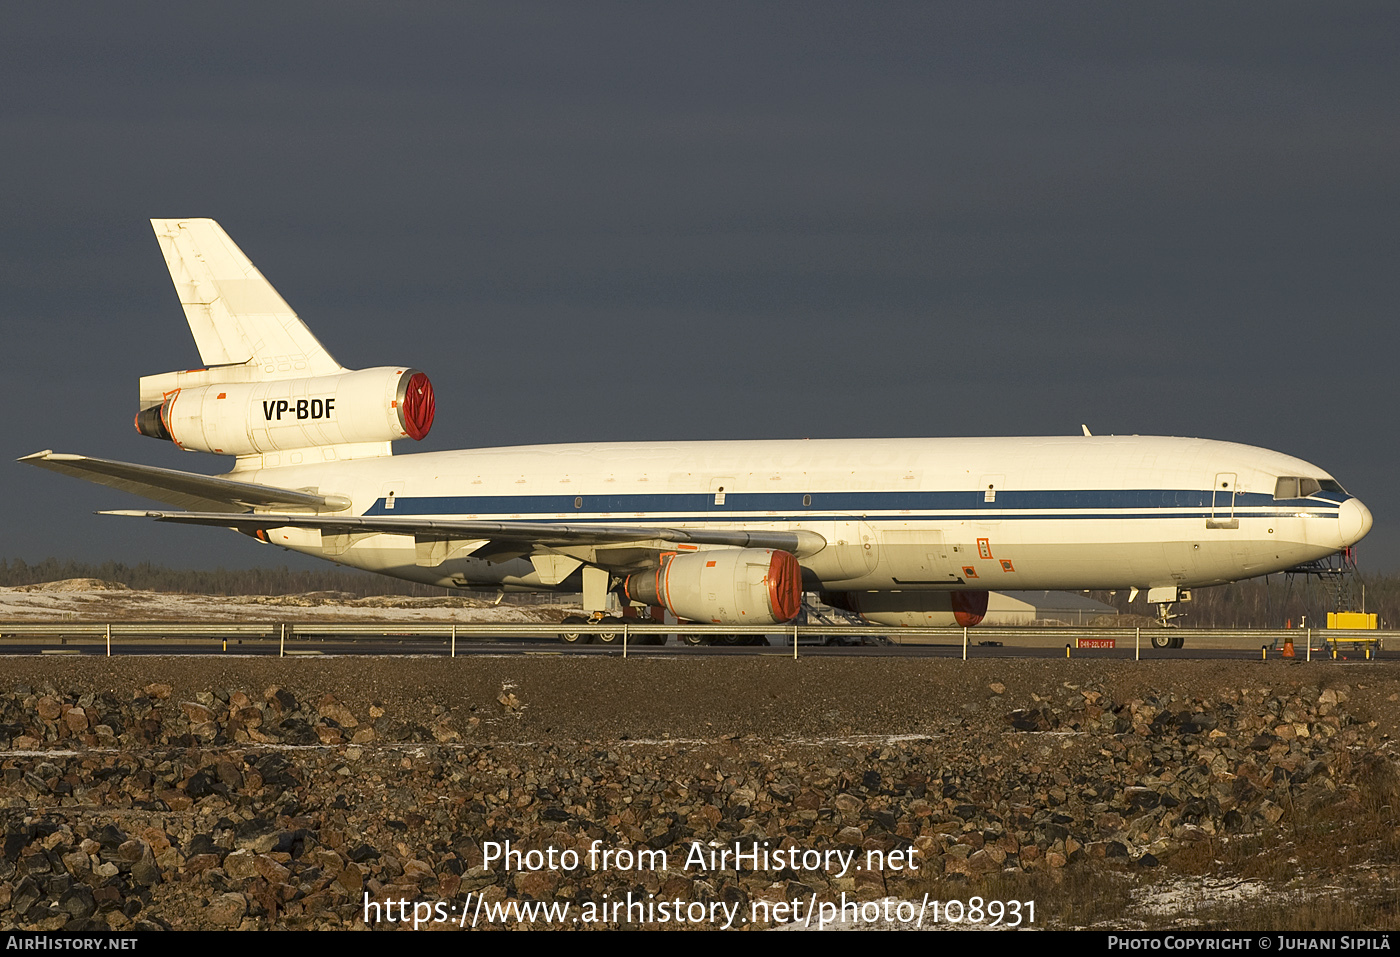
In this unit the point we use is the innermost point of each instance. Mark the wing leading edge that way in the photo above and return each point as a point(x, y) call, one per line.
point(182, 489)
point(800, 542)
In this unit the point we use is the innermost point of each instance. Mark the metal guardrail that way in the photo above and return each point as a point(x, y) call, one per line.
point(151, 629)
point(286, 631)
point(420, 629)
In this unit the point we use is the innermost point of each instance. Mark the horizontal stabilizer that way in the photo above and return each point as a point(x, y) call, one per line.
point(181, 489)
point(531, 533)
point(235, 314)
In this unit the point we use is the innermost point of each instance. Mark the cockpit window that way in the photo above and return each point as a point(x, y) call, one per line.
point(1293, 486)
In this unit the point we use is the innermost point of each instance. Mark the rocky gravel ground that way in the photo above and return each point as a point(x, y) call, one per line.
point(264, 793)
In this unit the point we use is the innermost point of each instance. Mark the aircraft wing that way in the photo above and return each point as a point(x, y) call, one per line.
point(800, 542)
point(182, 489)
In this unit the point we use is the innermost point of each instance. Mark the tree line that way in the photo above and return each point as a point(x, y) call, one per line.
point(1276, 601)
point(147, 576)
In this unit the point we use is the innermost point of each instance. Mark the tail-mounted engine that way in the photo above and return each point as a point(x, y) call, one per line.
point(242, 418)
point(723, 586)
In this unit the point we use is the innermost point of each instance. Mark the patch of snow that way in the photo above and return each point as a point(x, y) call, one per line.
point(38, 603)
point(1186, 898)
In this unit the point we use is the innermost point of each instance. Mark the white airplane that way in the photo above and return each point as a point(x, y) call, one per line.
point(904, 532)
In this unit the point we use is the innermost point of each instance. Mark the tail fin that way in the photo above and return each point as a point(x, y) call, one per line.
point(237, 318)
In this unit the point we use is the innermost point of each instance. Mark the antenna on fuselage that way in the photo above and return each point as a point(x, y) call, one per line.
point(1086, 430)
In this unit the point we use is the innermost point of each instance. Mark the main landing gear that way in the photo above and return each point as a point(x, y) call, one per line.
point(612, 636)
point(726, 641)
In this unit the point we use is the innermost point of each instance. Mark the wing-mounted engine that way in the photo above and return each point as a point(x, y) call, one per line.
point(926, 609)
point(723, 586)
point(210, 410)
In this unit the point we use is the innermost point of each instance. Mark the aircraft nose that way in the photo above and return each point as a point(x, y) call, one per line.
point(1353, 521)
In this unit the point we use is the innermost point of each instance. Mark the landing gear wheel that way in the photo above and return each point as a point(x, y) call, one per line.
point(1178, 640)
point(574, 637)
point(1162, 639)
point(730, 641)
point(609, 637)
point(695, 640)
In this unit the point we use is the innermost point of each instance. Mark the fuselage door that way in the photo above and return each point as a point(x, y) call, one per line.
point(389, 494)
point(986, 499)
point(1222, 506)
point(720, 490)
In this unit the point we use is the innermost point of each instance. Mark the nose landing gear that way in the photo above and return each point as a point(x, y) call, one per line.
point(1166, 638)
point(1165, 615)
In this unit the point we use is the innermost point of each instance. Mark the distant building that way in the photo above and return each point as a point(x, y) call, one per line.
point(1024, 607)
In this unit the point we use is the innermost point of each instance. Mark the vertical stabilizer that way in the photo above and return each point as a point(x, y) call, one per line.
point(237, 318)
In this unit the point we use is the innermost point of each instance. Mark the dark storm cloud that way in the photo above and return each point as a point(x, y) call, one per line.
point(631, 221)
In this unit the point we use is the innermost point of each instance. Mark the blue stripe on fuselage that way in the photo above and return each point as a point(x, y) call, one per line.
point(828, 506)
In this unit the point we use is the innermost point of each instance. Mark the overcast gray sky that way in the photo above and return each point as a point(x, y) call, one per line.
point(593, 221)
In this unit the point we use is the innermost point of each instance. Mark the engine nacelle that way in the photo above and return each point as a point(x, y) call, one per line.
point(917, 609)
point(723, 586)
point(243, 418)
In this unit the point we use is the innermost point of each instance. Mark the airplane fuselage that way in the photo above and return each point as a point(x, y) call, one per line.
point(897, 514)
